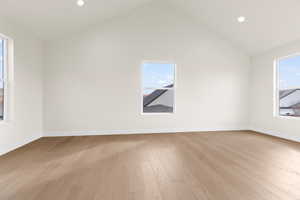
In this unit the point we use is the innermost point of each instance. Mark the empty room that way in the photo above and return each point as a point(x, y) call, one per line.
point(150, 100)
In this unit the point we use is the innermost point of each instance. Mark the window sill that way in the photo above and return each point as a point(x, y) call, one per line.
point(288, 117)
point(157, 113)
point(5, 122)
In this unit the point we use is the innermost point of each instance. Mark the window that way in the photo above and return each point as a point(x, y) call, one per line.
point(5, 72)
point(288, 86)
point(2, 76)
point(158, 87)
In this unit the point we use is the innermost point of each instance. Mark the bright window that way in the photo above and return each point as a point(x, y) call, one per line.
point(288, 86)
point(158, 87)
point(2, 76)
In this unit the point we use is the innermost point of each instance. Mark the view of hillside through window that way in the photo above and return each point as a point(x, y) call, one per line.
point(289, 86)
point(158, 87)
point(1, 79)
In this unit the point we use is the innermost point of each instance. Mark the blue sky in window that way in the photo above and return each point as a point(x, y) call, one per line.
point(289, 73)
point(157, 75)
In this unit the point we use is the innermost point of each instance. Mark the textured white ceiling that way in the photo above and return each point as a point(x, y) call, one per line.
point(270, 23)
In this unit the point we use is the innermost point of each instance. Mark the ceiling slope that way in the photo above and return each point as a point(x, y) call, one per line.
point(54, 18)
point(269, 23)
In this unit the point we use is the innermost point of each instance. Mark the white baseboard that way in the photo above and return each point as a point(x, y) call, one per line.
point(141, 131)
point(18, 145)
point(277, 134)
point(144, 131)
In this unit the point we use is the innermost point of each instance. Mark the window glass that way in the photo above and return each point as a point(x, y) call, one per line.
point(289, 86)
point(158, 87)
point(156, 75)
point(1, 79)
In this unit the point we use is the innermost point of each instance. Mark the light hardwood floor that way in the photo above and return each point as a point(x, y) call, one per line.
point(187, 166)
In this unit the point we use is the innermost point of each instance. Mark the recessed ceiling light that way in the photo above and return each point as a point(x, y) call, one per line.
point(241, 19)
point(80, 3)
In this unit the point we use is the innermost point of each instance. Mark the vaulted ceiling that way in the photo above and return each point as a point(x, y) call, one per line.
point(50, 19)
point(269, 23)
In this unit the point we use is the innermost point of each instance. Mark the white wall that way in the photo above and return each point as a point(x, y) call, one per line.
point(92, 78)
point(26, 122)
point(262, 117)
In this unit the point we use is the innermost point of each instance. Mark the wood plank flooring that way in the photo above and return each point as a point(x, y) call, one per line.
point(187, 166)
